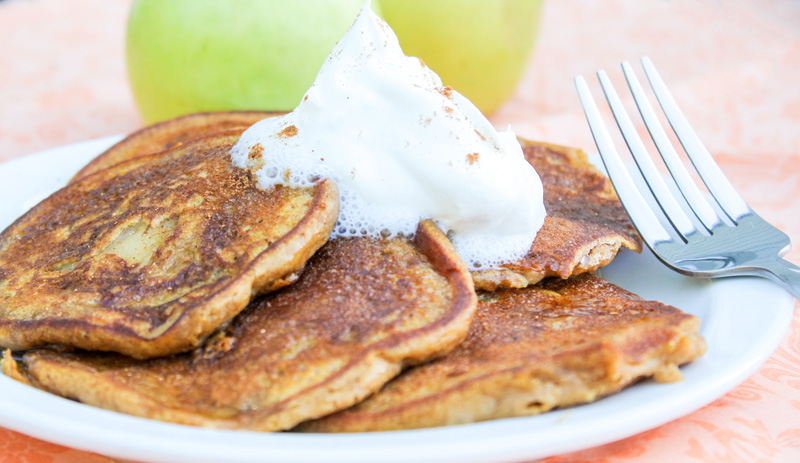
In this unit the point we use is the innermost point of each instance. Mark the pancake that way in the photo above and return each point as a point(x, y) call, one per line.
point(585, 225)
point(150, 256)
point(584, 228)
point(361, 311)
point(560, 343)
point(165, 135)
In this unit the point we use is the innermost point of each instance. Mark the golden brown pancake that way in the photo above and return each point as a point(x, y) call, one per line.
point(585, 224)
point(165, 135)
point(150, 256)
point(361, 311)
point(556, 344)
point(584, 228)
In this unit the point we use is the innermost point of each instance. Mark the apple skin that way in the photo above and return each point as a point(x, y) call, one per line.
point(187, 56)
point(478, 47)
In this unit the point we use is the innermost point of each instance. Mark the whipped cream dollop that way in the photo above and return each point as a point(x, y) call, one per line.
point(402, 147)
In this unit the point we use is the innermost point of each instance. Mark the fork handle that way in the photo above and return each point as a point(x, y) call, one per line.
point(785, 274)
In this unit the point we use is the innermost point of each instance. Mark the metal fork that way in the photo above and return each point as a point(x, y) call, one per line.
point(701, 240)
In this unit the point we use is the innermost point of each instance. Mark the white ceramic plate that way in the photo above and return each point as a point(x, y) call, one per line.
point(743, 320)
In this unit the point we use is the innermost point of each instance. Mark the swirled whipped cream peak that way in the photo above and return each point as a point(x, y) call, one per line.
point(402, 147)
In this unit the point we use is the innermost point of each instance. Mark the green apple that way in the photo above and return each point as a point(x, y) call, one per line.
point(205, 55)
point(478, 47)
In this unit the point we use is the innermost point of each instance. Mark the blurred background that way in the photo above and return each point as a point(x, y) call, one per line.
point(732, 65)
point(64, 75)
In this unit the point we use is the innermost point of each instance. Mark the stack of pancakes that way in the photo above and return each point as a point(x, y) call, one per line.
point(161, 282)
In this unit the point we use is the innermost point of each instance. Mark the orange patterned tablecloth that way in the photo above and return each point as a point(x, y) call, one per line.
point(734, 66)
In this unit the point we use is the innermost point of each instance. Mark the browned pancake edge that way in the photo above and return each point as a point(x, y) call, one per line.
point(583, 230)
point(57, 286)
point(556, 344)
point(168, 134)
point(362, 311)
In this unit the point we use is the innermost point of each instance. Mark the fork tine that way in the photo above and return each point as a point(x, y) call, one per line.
point(721, 189)
point(674, 213)
point(683, 180)
point(639, 211)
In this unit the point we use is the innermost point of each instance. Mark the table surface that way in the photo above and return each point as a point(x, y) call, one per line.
point(734, 67)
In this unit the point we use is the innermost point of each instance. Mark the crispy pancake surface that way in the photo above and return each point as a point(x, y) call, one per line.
point(559, 343)
point(361, 311)
point(585, 224)
point(150, 256)
point(165, 135)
